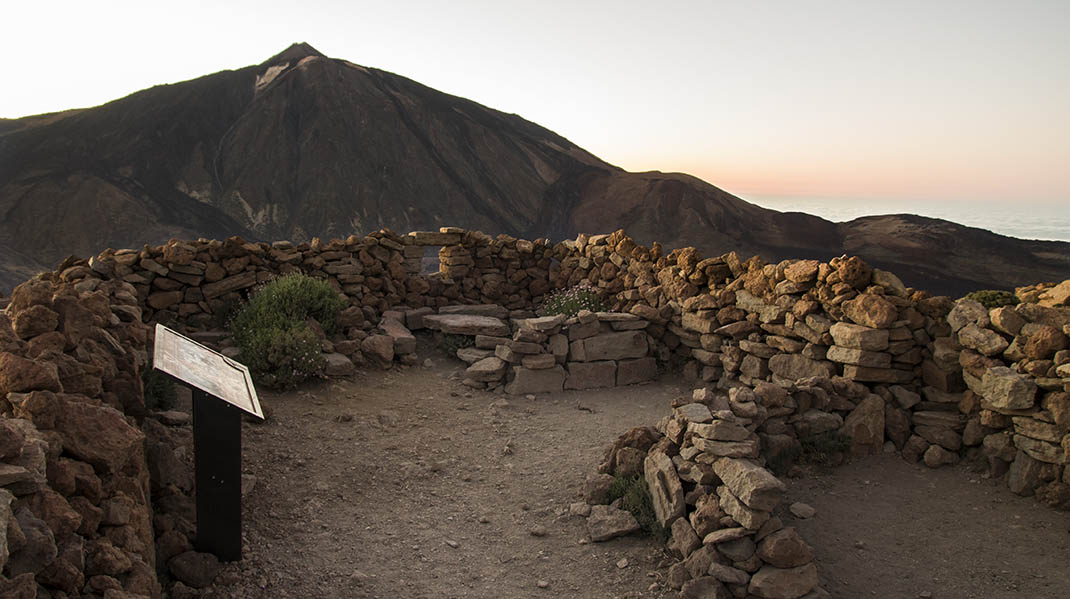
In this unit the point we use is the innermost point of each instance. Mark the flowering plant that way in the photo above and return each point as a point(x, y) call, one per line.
point(570, 301)
point(273, 334)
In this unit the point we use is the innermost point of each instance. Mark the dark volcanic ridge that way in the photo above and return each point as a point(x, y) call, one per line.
point(306, 146)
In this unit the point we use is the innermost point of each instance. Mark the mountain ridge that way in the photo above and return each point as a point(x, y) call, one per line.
point(305, 146)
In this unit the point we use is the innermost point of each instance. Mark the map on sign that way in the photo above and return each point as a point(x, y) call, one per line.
point(209, 371)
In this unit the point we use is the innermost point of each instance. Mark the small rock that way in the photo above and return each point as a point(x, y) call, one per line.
point(428, 363)
point(537, 531)
point(579, 508)
point(802, 510)
point(452, 543)
point(542, 584)
point(196, 569)
point(622, 563)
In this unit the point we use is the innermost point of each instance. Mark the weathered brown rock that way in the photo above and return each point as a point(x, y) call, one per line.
point(748, 517)
point(195, 569)
point(750, 483)
point(639, 370)
point(794, 366)
point(871, 310)
point(591, 375)
point(865, 426)
point(778, 583)
point(620, 345)
point(466, 324)
point(785, 548)
point(607, 522)
point(486, 370)
point(666, 492)
point(704, 587)
point(379, 349)
point(546, 380)
point(1004, 388)
point(985, 341)
point(18, 375)
point(35, 320)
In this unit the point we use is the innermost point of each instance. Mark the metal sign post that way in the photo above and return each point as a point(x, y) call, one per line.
point(222, 390)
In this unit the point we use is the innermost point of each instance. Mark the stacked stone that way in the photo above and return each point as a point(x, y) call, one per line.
point(514, 273)
point(552, 353)
point(190, 281)
point(75, 514)
point(708, 488)
point(1011, 368)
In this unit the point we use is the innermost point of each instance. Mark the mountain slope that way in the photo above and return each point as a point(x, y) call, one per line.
point(303, 145)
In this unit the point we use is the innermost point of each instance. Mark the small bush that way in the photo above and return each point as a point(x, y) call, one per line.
point(289, 299)
point(450, 343)
point(635, 498)
point(819, 448)
point(993, 298)
point(570, 301)
point(159, 389)
point(272, 331)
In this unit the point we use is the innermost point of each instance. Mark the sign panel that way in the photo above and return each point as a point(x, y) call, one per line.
point(207, 370)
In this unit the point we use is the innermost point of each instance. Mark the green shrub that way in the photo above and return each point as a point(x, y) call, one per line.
point(570, 301)
point(272, 331)
point(635, 498)
point(993, 298)
point(159, 389)
point(289, 299)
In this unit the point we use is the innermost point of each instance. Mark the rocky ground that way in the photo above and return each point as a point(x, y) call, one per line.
point(405, 483)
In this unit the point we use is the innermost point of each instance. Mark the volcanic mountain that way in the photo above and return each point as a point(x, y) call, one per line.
point(305, 146)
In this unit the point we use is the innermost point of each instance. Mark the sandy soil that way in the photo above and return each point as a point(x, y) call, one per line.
point(887, 528)
point(406, 484)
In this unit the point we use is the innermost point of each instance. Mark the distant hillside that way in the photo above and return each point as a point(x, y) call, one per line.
point(303, 146)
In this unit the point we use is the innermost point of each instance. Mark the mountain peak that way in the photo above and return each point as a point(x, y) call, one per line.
point(294, 53)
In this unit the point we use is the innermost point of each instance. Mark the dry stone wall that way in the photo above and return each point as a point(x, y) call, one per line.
point(75, 511)
point(796, 349)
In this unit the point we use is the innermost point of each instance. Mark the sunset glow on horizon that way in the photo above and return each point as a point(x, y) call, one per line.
point(956, 101)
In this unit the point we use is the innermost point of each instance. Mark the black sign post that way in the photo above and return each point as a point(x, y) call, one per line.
point(222, 391)
point(217, 463)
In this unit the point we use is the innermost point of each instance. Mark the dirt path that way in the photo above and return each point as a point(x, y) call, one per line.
point(886, 528)
point(406, 484)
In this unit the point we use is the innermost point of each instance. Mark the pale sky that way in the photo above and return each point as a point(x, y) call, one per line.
point(950, 100)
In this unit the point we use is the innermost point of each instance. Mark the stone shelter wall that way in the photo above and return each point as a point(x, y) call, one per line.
point(795, 349)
